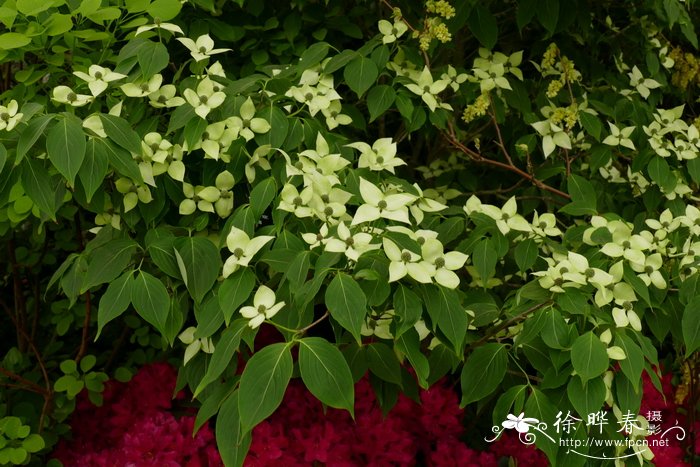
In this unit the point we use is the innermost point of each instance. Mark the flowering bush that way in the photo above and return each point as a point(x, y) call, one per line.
point(503, 193)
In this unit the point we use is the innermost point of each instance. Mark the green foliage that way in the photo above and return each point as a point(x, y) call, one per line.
point(503, 192)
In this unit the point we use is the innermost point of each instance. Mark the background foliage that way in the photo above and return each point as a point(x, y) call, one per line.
point(503, 192)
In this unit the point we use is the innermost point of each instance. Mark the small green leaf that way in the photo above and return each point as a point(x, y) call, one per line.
point(483, 372)
point(13, 40)
point(115, 300)
point(326, 373)
point(360, 74)
point(65, 145)
point(589, 356)
point(263, 383)
point(347, 303)
point(235, 290)
point(379, 99)
point(151, 300)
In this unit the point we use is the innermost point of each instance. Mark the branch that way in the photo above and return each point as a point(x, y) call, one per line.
point(26, 384)
point(306, 328)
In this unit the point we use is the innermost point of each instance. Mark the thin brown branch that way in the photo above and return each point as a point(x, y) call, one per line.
point(86, 328)
point(29, 385)
point(306, 328)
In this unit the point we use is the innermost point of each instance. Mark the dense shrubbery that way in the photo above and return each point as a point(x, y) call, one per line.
point(501, 193)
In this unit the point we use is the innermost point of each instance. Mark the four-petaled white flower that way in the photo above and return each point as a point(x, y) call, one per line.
point(208, 96)
point(405, 262)
point(264, 307)
point(143, 88)
point(428, 89)
point(553, 136)
point(380, 156)
point(194, 345)
point(379, 204)
point(507, 217)
point(66, 95)
point(247, 124)
point(202, 48)
point(391, 32)
point(444, 263)
point(98, 78)
point(520, 423)
point(165, 97)
point(619, 137)
point(198, 197)
point(641, 84)
point(9, 118)
point(351, 245)
point(243, 248)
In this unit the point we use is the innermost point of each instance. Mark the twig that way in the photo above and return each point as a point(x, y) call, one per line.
point(306, 328)
point(29, 385)
point(505, 324)
point(86, 327)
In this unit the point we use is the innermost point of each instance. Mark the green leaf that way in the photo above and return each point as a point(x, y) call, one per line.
point(202, 263)
point(589, 356)
point(120, 159)
point(208, 315)
point(39, 187)
point(409, 344)
point(326, 373)
point(108, 262)
point(449, 315)
point(224, 350)
point(379, 99)
point(235, 290)
point(548, 14)
point(347, 303)
point(3, 157)
point(526, 254)
point(65, 145)
point(151, 300)
point(30, 135)
point(262, 195)
point(591, 124)
point(586, 397)
point(92, 172)
point(119, 131)
point(13, 40)
point(633, 365)
point(692, 165)
point(279, 126)
point(485, 258)
point(262, 385)
point(313, 55)
point(526, 11)
point(164, 10)
point(582, 193)
point(690, 323)
point(180, 117)
point(483, 25)
point(408, 308)
point(660, 172)
point(360, 74)
point(115, 300)
point(194, 129)
point(483, 372)
point(298, 270)
point(339, 61)
point(232, 441)
point(383, 362)
point(153, 57)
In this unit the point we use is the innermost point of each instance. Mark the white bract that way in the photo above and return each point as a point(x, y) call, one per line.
point(350, 245)
point(65, 95)
point(194, 345)
point(143, 88)
point(428, 89)
point(444, 263)
point(619, 137)
point(380, 156)
point(378, 204)
point(9, 117)
point(507, 217)
point(247, 124)
point(198, 197)
point(391, 32)
point(202, 48)
point(208, 96)
point(264, 307)
point(405, 262)
point(243, 248)
point(553, 136)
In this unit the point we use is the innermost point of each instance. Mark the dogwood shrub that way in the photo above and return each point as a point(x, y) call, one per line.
point(501, 192)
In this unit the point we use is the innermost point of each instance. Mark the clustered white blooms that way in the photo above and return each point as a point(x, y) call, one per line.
point(316, 90)
point(9, 115)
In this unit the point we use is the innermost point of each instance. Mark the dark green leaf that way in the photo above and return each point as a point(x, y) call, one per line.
point(233, 442)
point(153, 57)
point(591, 124)
point(202, 264)
point(633, 365)
point(383, 363)
point(586, 397)
point(115, 300)
point(263, 383)
point(326, 373)
point(483, 25)
point(151, 300)
point(589, 356)
point(483, 372)
point(526, 254)
point(39, 186)
point(30, 135)
point(690, 324)
point(120, 159)
point(224, 350)
point(347, 303)
point(379, 99)
point(548, 14)
point(119, 131)
point(108, 262)
point(298, 270)
point(94, 168)
point(65, 145)
point(262, 195)
point(409, 344)
point(449, 315)
point(360, 74)
point(408, 308)
point(235, 290)
point(484, 258)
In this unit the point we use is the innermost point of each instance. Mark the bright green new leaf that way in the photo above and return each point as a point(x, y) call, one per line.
point(326, 373)
point(263, 383)
point(13, 40)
